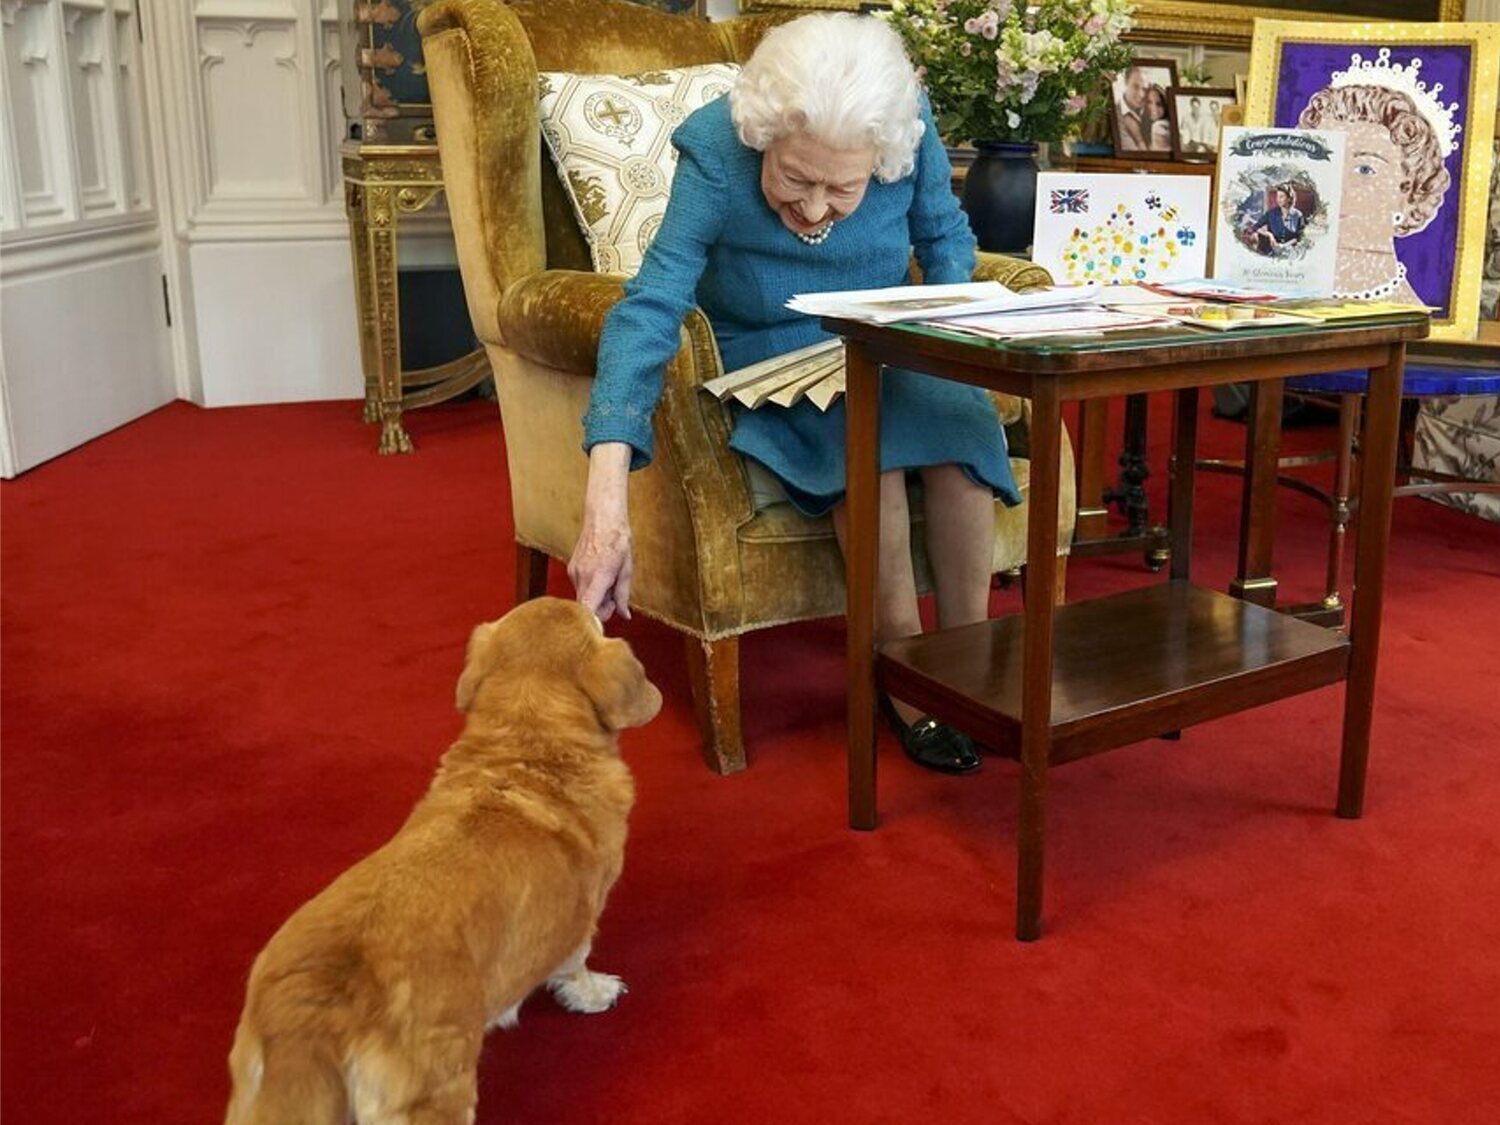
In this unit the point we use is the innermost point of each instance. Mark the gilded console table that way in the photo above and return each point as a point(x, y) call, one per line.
point(382, 183)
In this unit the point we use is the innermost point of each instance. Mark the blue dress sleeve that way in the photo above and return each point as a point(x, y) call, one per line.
point(940, 234)
point(642, 332)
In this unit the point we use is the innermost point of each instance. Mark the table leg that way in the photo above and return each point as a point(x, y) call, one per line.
point(1254, 582)
point(1093, 428)
point(1377, 480)
point(1340, 511)
point(1134, 471)
point(1036, 674)
point(364, 295)
point(861, 556)
point(1183, 471)
point(380, 211)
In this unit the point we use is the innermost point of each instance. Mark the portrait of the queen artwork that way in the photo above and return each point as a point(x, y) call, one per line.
point(1417, 106)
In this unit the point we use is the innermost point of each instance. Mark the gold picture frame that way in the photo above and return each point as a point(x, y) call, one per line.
point(1185, 21)
point(1441, 257)
point(1232, 25)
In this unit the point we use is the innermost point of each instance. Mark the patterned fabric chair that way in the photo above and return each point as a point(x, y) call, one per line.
point(1460, 436)
point(707, 563)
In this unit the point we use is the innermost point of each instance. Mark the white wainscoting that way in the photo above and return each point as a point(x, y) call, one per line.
point(249, 91)
point(84, 346)
point(265, 337)
point(82, 319)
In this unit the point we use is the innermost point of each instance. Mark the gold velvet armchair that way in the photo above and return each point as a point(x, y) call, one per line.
point(707, 563)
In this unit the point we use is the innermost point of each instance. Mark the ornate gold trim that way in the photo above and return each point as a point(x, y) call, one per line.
point(1180, 21)
point(1232, 25)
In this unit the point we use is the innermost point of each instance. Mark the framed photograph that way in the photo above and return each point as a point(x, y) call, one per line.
point(1140, 121)
point(1417, 104)
point(1197, 116)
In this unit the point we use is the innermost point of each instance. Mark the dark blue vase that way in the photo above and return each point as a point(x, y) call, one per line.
point(1000, 195)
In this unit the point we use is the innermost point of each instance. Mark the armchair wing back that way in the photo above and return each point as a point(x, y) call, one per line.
point(706, 562)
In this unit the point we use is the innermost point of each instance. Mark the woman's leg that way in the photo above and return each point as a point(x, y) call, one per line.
point(960, 543)
point(896, 587)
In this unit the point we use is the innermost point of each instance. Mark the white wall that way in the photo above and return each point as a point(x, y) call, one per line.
point(249, 95)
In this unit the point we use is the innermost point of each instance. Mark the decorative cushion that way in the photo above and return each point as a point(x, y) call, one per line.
point(610, 138)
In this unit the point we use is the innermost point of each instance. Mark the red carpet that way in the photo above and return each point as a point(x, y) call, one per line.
point(230, 642)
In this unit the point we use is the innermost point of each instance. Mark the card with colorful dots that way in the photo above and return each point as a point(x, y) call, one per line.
point(1121, 229)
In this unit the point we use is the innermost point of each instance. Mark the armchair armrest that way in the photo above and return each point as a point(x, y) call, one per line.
point(1013, 273)
point(554, 318)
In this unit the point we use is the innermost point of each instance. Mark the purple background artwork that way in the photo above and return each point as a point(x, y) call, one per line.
point(1430, 254)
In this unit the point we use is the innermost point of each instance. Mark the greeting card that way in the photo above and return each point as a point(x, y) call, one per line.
point(1277, 215)
point(1118, 229)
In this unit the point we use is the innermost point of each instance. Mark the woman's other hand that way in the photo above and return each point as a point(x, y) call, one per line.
point(602, 564)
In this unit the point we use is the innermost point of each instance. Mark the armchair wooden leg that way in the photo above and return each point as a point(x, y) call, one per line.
point(531, 573)
point(714, 670)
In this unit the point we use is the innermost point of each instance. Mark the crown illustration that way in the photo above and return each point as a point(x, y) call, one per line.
point(1395, 76)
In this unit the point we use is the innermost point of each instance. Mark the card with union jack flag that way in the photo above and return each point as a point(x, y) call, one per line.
point(1070, 201)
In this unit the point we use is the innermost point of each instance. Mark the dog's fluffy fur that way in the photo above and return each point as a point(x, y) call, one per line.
point(371, 1001)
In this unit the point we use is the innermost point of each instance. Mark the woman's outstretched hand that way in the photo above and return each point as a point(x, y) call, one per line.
point(602, 564)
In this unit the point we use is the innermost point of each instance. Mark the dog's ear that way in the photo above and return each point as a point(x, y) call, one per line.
point(476, 664)
point(617, 685)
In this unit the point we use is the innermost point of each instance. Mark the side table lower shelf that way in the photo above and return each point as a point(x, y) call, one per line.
point(1125, 667)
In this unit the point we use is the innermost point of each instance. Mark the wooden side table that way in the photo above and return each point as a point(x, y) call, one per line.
point(1056, 684)
point(381, 183)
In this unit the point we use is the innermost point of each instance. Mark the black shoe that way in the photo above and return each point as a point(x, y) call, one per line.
point(931, 744)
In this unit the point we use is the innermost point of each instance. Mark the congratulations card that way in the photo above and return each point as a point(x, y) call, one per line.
point(1277, 215)
point(1121, 229)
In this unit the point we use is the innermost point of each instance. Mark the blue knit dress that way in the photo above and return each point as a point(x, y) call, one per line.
point(722, 247)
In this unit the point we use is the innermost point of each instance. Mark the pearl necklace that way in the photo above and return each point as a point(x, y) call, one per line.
point(817, 237)
point(1374, 293)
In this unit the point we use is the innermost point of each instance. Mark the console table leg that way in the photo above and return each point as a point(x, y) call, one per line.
point(862, 428)
point(1377, 480)
point(1036, 682)
point(1253, 580)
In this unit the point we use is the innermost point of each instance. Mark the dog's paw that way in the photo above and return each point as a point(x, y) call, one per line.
point(506, 1020)
point(587, 991)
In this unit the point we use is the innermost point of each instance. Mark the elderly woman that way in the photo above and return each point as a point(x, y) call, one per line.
point(822, 170)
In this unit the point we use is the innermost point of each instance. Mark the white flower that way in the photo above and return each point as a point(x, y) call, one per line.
point(1013, 119)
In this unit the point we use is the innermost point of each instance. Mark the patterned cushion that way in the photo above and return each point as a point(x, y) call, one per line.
point(610, 137)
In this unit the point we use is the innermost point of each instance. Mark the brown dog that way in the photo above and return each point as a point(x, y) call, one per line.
point(373, 998)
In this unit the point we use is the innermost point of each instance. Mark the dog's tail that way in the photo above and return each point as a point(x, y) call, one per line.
point(284, 1083)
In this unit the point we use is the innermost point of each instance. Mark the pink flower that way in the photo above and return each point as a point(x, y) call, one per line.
point(966, 49)
point(1075, 104)
point(971, 26)
point(1078, 66)
point(1093, 25)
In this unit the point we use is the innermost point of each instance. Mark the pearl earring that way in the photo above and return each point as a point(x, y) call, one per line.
point(1397, 218)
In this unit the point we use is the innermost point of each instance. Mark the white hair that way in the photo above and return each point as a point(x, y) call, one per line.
point(841, 78)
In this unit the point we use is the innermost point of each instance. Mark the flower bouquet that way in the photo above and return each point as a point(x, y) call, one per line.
point(1005, 70)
